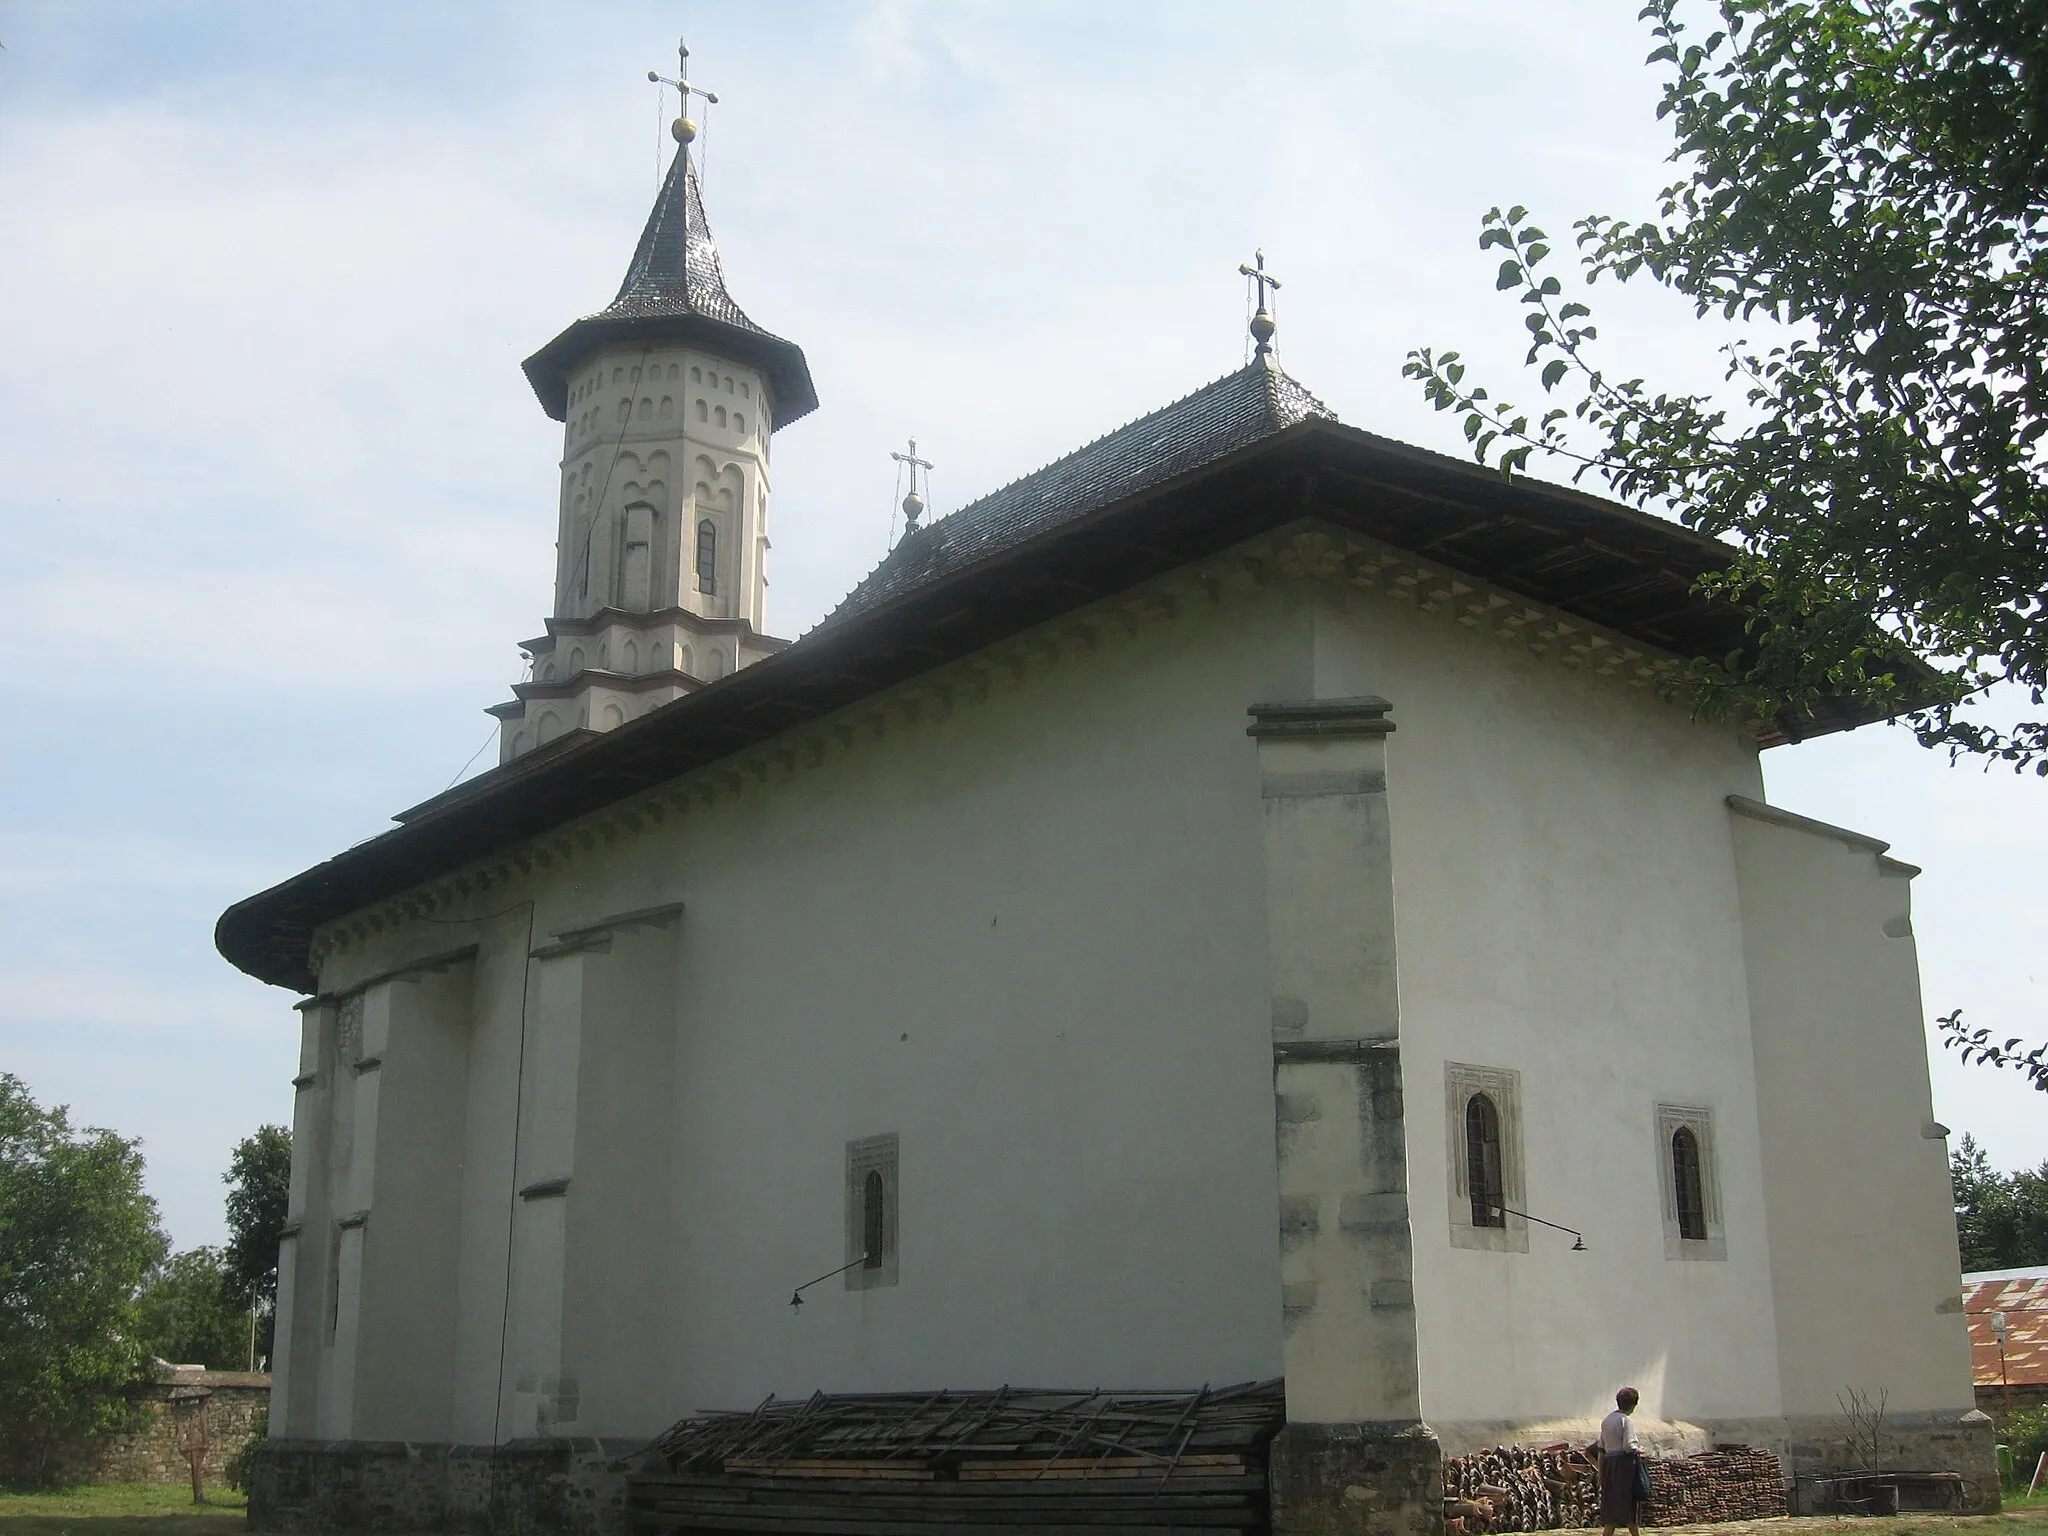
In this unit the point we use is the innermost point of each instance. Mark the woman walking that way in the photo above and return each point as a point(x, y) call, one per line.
point(1623, 1485)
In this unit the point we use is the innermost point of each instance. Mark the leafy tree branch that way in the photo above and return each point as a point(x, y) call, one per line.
point(1869, 179)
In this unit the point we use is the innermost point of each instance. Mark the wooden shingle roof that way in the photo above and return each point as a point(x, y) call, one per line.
point(675, 292)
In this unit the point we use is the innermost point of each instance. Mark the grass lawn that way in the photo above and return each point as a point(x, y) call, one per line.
point(123, 1509)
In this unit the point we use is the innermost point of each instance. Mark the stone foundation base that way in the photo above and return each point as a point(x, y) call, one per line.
point(1371, 1479)
point(526, 1488)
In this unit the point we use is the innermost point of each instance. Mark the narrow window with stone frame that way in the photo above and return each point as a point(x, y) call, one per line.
point(874, 1219)
point(707, 556)
point(1483, 1143)
point(873, 1213)
point(1482, 1162)
point(1690, 1183)
point(1688, 1193)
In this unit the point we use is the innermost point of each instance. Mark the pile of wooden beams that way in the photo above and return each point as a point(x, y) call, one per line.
point(1520, 1488)
point(1003, 1463)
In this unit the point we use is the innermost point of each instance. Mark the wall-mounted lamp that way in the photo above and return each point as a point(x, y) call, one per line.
point(1578, 1242)
point(796, 1297)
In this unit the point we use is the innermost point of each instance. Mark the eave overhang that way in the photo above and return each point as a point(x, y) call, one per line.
point(792, 395)
point(1606, 563)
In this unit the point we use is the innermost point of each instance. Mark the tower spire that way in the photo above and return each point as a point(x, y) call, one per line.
point(667, 397)
point(675, 290)
point(1262, 325)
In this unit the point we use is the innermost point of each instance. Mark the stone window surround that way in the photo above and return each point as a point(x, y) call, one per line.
point(872, 1154)
point(1700, 1121)
point(1504, 1086)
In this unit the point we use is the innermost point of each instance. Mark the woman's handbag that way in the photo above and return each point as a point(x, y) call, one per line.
point(1643, 1479)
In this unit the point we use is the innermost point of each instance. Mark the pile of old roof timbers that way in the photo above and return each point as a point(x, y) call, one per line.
point(1517, 1488)
point(1012, 1462)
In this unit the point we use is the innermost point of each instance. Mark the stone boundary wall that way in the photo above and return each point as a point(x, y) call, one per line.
point(574, 1487)
point(1911, 1442)
point(148, 1452)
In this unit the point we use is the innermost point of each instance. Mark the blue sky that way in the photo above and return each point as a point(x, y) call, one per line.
point(277, 504)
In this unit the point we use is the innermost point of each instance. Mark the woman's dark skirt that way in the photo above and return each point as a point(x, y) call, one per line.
point(1620, 1493)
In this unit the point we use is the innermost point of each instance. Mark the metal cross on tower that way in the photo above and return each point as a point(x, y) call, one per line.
point(913, 504)
point(1262, 326)
point(683, 128)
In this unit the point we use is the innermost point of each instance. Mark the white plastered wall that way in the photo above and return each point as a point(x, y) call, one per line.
point(1016, 920)
point(1566, 909)
point(410, 1241)
point(1024, 933)
point(1868, 1284)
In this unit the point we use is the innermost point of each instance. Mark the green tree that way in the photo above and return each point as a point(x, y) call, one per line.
point(190, 1313)
point(1977, 1048)
point(1869, 180)
point(259, 1180)
point(77, 1236)
point(2001, 1218)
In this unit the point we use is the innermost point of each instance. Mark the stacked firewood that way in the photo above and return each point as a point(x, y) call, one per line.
point(1521, 1488)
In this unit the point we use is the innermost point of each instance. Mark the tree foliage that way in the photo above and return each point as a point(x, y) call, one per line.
point(1868, 179)
point(259, 1181)
point(190, 1313)
point(77, 1236)
point(1977, 1048)
point(2001, 1218)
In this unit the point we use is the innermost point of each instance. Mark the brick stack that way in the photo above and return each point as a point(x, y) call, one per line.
point(1519, 1488)
point(1736, 1484)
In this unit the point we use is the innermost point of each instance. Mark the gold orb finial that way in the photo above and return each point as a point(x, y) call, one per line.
point(1261, 326)
point(682, 130)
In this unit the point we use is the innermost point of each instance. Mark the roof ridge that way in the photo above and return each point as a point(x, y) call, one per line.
point(1239, 407)
point(1275, 372)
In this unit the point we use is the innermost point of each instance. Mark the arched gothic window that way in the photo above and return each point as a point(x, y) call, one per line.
point(707, 556)
point(1687, 1185)
point(1482, 1161)
point(874, 1225)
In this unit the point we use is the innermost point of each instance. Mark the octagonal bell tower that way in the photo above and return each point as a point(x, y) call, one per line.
point(667, 397)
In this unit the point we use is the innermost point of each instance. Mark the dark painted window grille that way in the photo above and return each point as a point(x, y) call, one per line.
point(707, 556)
point(874, 1226)
point(1687, 1185)
point(1482, 1162)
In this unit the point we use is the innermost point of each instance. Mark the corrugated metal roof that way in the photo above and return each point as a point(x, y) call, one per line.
point(2022, 1296)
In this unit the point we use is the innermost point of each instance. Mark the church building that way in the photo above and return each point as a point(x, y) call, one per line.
point(1237, 904)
